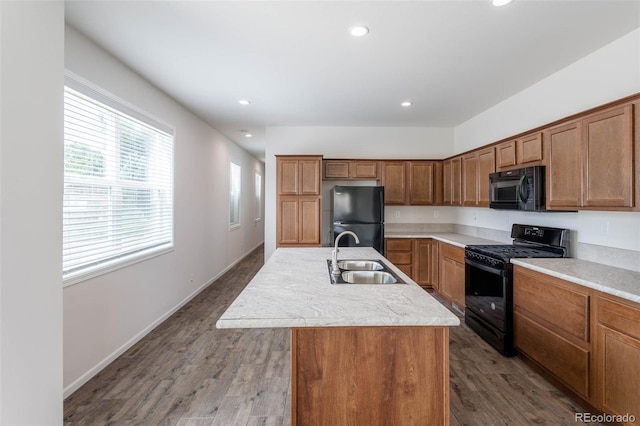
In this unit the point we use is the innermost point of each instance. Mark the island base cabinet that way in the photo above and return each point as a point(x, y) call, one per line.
point(370, 376)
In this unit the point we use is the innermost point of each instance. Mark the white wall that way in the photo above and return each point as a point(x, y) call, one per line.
point(605, 75)
point(347, 142)
point(31, 154)
point(105, 315)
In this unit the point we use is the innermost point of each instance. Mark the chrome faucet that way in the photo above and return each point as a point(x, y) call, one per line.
point(334, 254)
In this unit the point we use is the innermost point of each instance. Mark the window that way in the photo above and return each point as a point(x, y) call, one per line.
point(118, 183)
point(258, 200)
point(234, 196)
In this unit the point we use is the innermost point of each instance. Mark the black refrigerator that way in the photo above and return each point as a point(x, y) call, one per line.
point(359, 209)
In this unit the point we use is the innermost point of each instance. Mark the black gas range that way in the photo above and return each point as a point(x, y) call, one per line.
point(489, 280)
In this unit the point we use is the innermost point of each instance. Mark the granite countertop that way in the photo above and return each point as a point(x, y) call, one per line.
point(619, 282)
point(293, 289)
point(459, 240)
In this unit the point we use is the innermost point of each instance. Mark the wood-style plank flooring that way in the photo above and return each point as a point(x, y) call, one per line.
point(187, 372)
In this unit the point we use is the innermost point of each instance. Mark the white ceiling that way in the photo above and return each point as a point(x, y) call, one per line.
point(299, 66)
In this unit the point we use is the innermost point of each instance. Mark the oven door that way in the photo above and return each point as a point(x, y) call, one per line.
point(487, 293)
point(489, 304)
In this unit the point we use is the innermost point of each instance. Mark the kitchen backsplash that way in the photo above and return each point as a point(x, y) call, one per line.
point(620, 258)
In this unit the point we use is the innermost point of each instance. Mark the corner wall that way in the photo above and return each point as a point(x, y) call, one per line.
point(31, 162)
point(142, 295)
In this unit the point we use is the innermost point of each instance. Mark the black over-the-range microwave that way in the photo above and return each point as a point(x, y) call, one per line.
point(519, 189)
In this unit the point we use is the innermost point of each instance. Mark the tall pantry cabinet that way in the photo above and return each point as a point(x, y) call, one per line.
point(299, 200)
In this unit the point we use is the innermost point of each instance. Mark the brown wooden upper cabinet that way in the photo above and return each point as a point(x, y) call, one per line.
point(298, 175)
point(522, 152)
point(590, 161)
point(452, 181)
point(298, 212)
point(412, 182)
point(476, 167)
point(350, 169)
point(607, 158)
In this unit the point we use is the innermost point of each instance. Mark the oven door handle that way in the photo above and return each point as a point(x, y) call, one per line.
point(496, 271)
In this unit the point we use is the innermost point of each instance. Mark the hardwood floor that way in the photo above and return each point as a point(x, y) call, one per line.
point(187, 372)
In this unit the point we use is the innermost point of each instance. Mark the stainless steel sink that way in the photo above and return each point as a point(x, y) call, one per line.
point(368, 277)
point(360, 265)
point(363, 271)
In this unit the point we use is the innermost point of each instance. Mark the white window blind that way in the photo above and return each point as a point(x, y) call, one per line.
point(234, 195)
point(118, 182)
point(258, 200)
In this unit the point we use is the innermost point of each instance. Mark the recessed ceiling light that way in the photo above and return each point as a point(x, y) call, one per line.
point(406, 104)
point(501, 2)
point(248, 135)
point(359, 31)
point(244, 102)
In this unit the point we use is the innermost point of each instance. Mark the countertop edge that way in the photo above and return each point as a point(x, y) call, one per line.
point(300, 323)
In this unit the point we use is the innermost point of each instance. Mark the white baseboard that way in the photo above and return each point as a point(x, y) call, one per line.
point(76, 384)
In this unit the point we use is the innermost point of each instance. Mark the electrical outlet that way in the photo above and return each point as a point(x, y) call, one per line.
point(397, 213)
point(436, 213)
point(604, 227)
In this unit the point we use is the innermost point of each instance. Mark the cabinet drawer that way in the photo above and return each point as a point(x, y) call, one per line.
point(399, 258)
point(566, 361)
point(453, 252)
point(620, 317)
point(399, 244)
point(553, 301)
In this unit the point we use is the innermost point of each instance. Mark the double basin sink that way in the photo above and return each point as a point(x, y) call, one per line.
point(363, 272)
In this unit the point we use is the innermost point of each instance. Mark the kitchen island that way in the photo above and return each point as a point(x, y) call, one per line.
point(374, 354)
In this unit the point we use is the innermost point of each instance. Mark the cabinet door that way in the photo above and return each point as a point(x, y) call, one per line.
point(452, 274)
point(394, 180)
point(564, 174)
point(506, 154)
point(530, 149)
point(470, 180)
point(288, 179)
point(363, 170)
point(336, 169)
point(617, 356)
point(456, 181)
point(451, 283)
point(421, 177)
point(446, 182)
point(309, 232)
point(309, 171)
point(608, 158)
point(486, 166)
point(288, 224)
point(421, 262)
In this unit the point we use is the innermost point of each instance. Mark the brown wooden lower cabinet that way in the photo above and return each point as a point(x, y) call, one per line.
point(617, 360)
point(586, 341)
point(416, 257)
point(551, 326)
point(452, 274)
point(370, 376)
point(399, 251)
point(425, 262)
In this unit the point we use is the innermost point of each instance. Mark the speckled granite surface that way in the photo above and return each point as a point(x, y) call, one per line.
point(619, 282)
point(293, 290)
